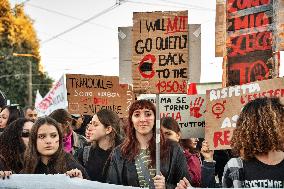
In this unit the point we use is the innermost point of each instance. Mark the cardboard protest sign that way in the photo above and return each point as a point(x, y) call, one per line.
point(220, 28)
point(188, 111)
point(250, 43)
point(160, 52)
point(87, 94)
point(127, 97)
point(125, 53)
point(279, 23)
point(56, 98)
point(224, 106)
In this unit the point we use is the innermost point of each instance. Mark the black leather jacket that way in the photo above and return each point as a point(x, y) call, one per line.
point(123, 172)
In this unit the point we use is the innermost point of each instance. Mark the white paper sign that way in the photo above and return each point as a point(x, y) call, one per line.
point(41, 181)
point(187, 110)
point(56, 98)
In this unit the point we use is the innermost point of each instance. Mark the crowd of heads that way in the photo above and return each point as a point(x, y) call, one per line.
point(27, 139)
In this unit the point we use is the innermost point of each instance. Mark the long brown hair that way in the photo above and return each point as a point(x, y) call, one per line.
point(15, 112)
point(187, 145)
point(110, 118)
point(64, 119)
point(130, 146)
point(32, 156)
point(170, 123)
point(259, 128)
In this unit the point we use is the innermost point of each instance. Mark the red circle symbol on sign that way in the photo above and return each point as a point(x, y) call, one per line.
point(258, 71)
point(218, 109)
point(146, 66)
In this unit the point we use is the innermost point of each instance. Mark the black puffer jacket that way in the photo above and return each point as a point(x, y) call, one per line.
point(71, 163)
point(123, 172)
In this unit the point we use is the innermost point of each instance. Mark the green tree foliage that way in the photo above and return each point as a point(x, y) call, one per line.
point(17, 35)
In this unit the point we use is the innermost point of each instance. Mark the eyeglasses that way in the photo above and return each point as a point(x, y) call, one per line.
point(25, 134)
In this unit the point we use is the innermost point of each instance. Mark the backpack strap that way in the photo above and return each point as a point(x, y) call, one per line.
point(86, 153)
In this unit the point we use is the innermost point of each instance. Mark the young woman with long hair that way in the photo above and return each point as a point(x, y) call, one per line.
point(171, 130)
point(45, 154)
point(105, 127)
point(8, 114)
point(72, 141)
point(133, 162)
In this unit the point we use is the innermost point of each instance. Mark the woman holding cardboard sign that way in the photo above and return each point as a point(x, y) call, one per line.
point(258, 140)
point(133, 162)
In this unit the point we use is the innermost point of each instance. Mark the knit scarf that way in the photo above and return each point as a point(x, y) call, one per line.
point(67, 142)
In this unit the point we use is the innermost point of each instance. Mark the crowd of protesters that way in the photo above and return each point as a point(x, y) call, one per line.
point(106, 149)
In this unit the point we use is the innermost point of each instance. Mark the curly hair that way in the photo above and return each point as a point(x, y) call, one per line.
point(12, 146)
point(259, 128)
point(130, 146)
point(32, 156)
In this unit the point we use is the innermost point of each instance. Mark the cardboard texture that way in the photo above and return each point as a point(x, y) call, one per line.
point(279, 22)
point(160, 52)
point(225, 104)
point(87, 94)
point(250, 48)
point(187, 110)
point(220, 28)
point(125, 54)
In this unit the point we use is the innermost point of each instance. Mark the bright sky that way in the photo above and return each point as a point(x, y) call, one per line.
point(93, 47)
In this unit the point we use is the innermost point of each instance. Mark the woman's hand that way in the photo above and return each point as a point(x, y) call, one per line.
point(159, 182)
point(183, 184)
point(74, 173)
point(206, 153)
point(5, 174)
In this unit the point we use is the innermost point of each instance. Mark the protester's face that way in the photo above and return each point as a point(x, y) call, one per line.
point(4, 116)
point(99, 130)
point(47, 140)
point(90, 130)
point(31, 114)
point(66, 127)
point(170, 134)
point(77, 123)
point(26, 132)
point(143, 121)
point(193, 142)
